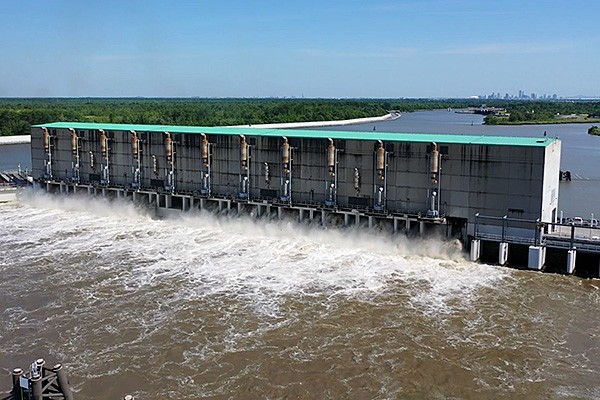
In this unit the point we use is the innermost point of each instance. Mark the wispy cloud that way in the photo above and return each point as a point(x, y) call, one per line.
point(380, 53)
point(507, 48)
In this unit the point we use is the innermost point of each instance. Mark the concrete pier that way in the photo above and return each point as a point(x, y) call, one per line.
point(571, 257)
point(475, 252)
point(537, 257)
point(503, 253)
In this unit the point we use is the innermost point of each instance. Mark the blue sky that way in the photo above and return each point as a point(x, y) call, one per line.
point(418, 48)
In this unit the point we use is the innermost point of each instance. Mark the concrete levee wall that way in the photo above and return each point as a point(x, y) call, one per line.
point(497, 180)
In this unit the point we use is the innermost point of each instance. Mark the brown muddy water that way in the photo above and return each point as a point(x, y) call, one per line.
point(219, 308)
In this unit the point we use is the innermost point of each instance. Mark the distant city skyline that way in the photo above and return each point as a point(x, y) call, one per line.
point(313, 49)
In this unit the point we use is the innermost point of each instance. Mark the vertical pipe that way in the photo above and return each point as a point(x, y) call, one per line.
point(169, 148)
point(331, 157)
point(134, 144)
point(63, 382)
point(204, 150)
point(17, 392)
point(46, 136)
point(434, 163)
point(104, 151)
point(36, 387)
point(244, 152)
point(380, 163)
point(73, 141)
point(48, 152)
point(103, 144)
point(285, 155)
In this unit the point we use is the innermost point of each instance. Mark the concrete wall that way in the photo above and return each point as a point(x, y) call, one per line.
point(518, 181)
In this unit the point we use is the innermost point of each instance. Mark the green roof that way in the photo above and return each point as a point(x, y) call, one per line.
point(315, 134)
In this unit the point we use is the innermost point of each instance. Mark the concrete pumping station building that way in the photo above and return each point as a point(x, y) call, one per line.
point(474, 188)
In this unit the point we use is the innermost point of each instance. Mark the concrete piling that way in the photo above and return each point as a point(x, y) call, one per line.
point(475, 250)
point(502, 253)
point(17, 391)
point(63, 382)
point(571, 256)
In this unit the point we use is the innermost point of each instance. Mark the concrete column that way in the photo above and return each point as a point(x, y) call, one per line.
point(239, 208)
point(168, 201)
point(311, 214)
point(323, 217)
point(36, 387)
point(268, 210)
point(300, 215)
point(475, 249)
point(421, 228)
point(571, 255)
point(395, 225)
point(537, 257)
point(502, 253)
point(220, 205)
point(407, 224)
point(103, 192)
point(357, 219)
point(202, 204)
point(17, 392)
point(370, 218)
point(279, 212)
point(63, 382)
point(346, 219)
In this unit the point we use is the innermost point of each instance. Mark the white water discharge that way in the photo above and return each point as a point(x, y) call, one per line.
point(256, 259)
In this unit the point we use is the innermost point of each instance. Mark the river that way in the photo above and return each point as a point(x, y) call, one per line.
point(216, 307)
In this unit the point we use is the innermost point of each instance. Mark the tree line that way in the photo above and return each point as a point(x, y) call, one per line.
point(520, 112)
point(18, 114)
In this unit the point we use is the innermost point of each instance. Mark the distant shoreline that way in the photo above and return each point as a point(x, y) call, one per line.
point(21, 139)
point(17, 139)
point(316, 124)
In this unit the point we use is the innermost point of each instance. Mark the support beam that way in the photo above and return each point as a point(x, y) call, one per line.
point(571, 256)
point(502, 253)
point(475, 249)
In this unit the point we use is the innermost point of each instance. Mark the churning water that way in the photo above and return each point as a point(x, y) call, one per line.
point(229, 307)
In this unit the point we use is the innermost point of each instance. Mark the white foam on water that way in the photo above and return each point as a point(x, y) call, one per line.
point(257, 260)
